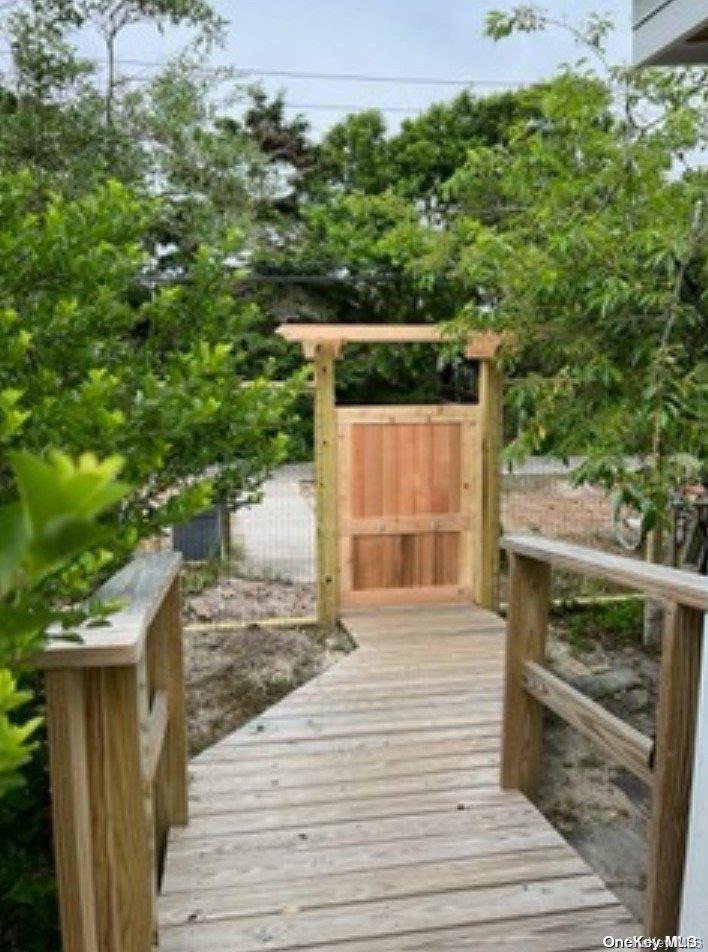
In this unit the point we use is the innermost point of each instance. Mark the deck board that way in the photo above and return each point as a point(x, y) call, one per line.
point(363, 814)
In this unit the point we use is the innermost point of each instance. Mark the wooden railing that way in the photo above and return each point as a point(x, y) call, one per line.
point(665, 764)
point(118, 759)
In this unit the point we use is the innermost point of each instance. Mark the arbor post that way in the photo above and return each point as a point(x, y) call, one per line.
point(326, 478)
point(490, 408)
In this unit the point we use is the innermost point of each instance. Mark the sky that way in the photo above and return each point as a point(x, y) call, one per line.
point(383, 38)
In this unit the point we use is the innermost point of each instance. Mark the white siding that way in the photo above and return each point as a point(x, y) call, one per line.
point(662, 27)
point(694, 915)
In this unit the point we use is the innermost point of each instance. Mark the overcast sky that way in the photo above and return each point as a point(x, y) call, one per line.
point(412, 38)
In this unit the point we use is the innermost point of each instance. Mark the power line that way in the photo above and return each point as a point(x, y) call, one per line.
point(354, 107)
point(366, 78)
point(460, 82)
point(453, 82)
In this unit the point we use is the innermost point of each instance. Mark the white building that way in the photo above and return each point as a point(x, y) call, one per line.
point(669, 32)
point(672, 33)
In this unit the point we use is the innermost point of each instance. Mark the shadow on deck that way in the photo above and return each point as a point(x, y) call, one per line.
point(363, 813)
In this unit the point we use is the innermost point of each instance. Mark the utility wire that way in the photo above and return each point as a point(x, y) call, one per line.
point(313, 74)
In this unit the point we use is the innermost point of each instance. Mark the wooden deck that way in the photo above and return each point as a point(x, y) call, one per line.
point(363, 814)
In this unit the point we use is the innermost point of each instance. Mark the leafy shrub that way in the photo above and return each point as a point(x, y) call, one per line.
point(43, 533)
point(154, 371)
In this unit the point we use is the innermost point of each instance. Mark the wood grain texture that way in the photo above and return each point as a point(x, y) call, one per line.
point(118, 762)
point(364, 812)
point(660, 581)
point(326, 477)
point(71, 810)
point(527, 623)
point(140, 587)
point(620, 740)
point(480, 345)
point(673, 768)
point(407, 516)
point(409, 413)
point(490, 408)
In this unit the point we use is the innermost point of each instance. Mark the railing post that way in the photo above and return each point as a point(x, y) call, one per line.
point(167, 759)
point(673, 763)
point(122, 751)
point(175, 752)
point(527, 623)
point(71, 809)
point(117, 748)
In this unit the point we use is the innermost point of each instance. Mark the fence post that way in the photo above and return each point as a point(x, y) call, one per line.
point(527, 623)
point(673, 763)
point(326, 477)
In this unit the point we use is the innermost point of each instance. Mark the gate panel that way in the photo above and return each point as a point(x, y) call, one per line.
point(407, 502)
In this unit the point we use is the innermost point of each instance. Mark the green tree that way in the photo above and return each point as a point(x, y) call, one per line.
point(354, 154)
point(115, 356)
point(596, 261)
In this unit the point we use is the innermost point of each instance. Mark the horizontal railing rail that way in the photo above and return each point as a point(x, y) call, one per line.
point(664, 764)
point(118, 758)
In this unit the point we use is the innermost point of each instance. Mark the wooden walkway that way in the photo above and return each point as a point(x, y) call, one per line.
point(363, 814)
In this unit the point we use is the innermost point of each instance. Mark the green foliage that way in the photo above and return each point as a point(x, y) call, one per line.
point(52, 521)
point(612, 624)
point(28, 910)
point(125, 216)
point(154, 371)
point(595, 259)
point(355, 153)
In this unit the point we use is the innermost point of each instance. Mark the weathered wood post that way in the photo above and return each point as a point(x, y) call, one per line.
point(118, 759)
point(490, 406)
point(323, 356)
point(527, 623)
point(673, 767)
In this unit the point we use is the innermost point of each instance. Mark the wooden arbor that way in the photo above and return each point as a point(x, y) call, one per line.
point(407, 496)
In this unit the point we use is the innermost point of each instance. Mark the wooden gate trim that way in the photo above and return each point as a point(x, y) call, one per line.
point(322, 345)
point(465, 522)
point(408, 413)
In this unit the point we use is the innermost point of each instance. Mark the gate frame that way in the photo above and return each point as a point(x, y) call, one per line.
point(322, 345)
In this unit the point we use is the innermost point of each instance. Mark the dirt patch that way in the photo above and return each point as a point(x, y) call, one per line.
point(555, 508)
point(600, 808)
point(233, 674)
point(239, 599)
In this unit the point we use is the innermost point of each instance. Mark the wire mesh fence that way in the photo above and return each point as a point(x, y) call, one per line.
point(538, 496)
point(274, 539)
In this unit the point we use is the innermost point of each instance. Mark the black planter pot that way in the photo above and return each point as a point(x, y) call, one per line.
point(205, 536)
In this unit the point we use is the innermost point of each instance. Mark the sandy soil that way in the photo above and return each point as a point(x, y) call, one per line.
point(600, 808)
point(246, 599)
point(555, 508)
point(232, 675)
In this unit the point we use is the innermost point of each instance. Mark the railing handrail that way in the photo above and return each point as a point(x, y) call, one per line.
point(531, 686)
point(140, 586)
point(660, 581)
point(115, 713)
